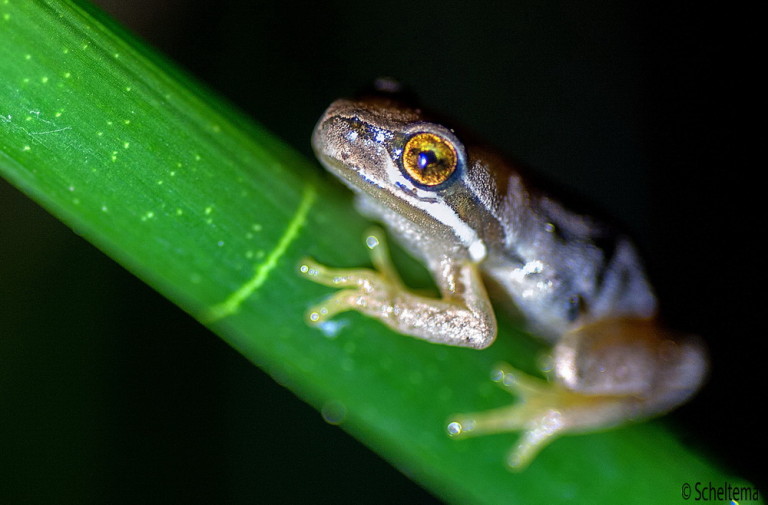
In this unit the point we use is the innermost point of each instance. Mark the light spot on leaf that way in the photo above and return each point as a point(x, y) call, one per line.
point(261, 271)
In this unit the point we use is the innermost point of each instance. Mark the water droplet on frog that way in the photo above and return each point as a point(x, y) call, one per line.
point(372, 242)
point(454, 429)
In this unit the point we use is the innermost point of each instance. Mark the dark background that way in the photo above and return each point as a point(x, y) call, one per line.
point(641, 109)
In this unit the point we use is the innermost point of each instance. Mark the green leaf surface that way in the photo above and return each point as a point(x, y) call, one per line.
point(215, 213)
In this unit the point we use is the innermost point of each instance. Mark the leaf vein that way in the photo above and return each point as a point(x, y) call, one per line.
point(261, 271)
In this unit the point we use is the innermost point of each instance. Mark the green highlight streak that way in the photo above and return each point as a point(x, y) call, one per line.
point(232, 304)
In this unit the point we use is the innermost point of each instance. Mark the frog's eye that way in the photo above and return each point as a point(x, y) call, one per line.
point(429, 159)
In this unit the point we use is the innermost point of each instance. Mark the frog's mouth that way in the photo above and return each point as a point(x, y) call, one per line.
point(351, 175)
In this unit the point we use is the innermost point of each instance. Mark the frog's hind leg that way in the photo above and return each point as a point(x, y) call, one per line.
point(545, 411)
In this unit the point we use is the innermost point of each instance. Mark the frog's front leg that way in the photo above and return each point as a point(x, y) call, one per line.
point(462, 317)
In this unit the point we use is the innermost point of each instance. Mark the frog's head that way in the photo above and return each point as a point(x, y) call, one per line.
point(383, 143)
point(417, 168)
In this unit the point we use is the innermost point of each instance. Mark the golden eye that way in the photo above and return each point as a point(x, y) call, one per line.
point(429, 159)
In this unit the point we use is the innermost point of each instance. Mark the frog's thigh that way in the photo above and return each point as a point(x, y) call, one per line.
point(463, 317)
point(545, 411)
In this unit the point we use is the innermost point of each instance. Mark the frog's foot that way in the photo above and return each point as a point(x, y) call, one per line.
point(462, 317)
point(545, 411)
point(367, 290)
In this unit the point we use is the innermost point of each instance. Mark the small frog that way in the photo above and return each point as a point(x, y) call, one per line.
point(475, 223)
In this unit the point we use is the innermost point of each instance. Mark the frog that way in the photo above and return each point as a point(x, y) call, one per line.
point(484, 231)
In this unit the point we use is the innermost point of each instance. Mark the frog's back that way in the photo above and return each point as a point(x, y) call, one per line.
point(562, 268)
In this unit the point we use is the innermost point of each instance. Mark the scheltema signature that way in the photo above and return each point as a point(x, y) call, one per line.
point(707, 491)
